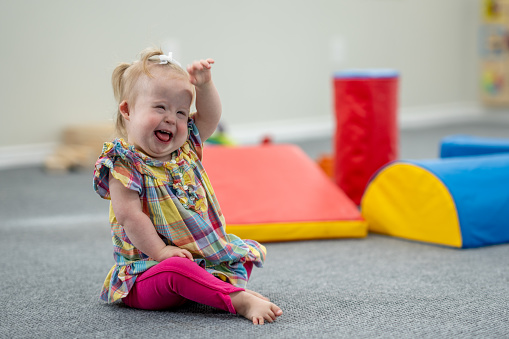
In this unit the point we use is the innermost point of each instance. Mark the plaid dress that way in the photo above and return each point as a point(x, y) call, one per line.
point(179, 199)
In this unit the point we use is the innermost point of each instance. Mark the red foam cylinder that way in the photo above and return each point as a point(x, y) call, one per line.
point(366, 135)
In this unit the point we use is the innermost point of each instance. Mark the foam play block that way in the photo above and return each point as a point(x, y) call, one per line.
point(466, 145)
point(277, 193)
point(460, 202)
point(366, 138)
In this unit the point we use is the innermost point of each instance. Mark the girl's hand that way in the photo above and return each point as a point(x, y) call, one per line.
point(208, 103)
point(199, 72)
point(174, 251)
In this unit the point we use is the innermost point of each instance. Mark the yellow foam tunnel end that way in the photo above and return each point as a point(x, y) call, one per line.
point(407, 201)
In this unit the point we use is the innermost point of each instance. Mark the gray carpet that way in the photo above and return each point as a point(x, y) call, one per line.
point(56, 251)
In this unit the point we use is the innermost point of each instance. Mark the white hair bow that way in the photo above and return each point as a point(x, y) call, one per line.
point(168, 59)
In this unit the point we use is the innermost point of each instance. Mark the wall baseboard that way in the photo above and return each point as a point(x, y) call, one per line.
point(409, 118)
point(280, 131)
point(25, 155)
point(439, 115)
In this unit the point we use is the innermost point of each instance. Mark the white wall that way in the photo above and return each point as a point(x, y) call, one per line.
point(274, 58)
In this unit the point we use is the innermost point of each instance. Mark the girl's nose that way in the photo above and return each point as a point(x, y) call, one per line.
point(170, 118)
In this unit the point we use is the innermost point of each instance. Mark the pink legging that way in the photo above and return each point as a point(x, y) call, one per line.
point(174, 281)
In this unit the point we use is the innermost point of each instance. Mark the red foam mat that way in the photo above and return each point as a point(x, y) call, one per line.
point(277, 193)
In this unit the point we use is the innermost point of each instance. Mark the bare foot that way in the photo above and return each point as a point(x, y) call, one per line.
point(254, 308)
point(256, 294)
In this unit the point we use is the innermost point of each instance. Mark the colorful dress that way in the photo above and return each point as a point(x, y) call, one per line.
point(179, 200)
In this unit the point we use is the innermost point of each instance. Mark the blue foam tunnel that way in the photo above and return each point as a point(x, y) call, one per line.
point(466, 145)
point(460, 202)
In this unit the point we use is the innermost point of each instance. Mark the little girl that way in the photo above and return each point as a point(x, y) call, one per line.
point(167, 228)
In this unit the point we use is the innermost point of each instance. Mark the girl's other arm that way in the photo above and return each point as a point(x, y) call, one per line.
point(208, 103)
point(138, 226)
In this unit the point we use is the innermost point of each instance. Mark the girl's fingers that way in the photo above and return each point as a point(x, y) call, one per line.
point(207, 63)
point(196, 68)
point(185, 254)
point(200, 65)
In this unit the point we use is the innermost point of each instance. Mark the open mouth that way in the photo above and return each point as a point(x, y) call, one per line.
point(163, 136)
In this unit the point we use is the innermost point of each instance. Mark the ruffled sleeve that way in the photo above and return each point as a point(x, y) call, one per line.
point(121, 161)
point(194, 139)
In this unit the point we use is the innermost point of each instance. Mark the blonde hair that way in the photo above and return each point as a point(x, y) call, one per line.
point(126, 75)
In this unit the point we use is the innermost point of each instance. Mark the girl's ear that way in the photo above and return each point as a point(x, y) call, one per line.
point(124, 109)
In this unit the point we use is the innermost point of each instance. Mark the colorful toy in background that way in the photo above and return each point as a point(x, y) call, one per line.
point(492, 11)
point(79, 147)
point(494, 52)
point(220, 137)
point(493, 82)
point(459, 200)
point(326, 163)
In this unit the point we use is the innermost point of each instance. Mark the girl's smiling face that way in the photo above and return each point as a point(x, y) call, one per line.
point(156, 122)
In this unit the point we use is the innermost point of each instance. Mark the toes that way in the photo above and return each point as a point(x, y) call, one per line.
point(277, 311)
point(258, 321)
point(272, 316)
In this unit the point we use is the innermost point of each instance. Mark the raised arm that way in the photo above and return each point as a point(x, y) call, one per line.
point(138, 226)
point(208, 103)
